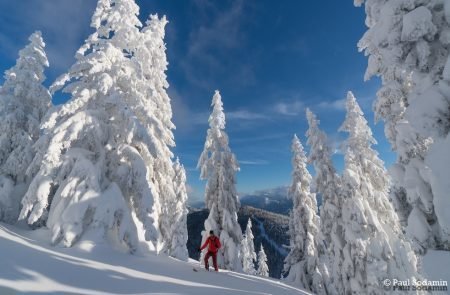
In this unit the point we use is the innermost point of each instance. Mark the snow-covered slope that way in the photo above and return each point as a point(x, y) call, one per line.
point(30, 265)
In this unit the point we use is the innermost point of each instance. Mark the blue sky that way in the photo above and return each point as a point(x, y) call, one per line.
point(269, 59)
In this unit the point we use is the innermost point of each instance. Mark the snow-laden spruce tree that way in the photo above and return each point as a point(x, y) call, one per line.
point(248, 250)
point(376, 184)
point(302, 264)
point(375, 247)
point(95, 167)
point(179, 215)
point(408, 47)
point(263, 269)
point(327, 184)
point(23, 104)
point(218, 166)
point(152, 61)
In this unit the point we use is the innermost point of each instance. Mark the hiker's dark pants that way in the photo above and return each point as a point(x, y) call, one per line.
point(214, 258)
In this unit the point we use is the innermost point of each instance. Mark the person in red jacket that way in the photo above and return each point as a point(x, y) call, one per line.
point(213, 244)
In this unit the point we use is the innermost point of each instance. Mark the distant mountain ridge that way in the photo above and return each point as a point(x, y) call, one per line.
point(274, 200)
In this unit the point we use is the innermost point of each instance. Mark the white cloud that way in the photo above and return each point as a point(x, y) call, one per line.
point(293, 108)
point(253, 162)
point(67, 25)
point(223, 32)
point(187, 120)
point(365, 103)
point(245, 115)
point(334, 105)
point(64, 26)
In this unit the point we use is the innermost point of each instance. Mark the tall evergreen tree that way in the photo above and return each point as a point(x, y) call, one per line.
point(407, 43)
point(374, 244)
point(23, 104)
point(263, 269)
point(95, 168)
point(248, 250)
point(302, 263)
point(218, 166)
point(152, 62)
point(328, 185)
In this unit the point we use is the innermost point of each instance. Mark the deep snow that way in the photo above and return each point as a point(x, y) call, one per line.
point(30, 265)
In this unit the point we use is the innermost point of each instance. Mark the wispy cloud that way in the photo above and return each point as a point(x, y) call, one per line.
point(254, 162)
point(333, 105)
point(64, 26)
point(188, 120)
point(223, 32)
point(212, 41)
point(246, 115)
point(292, 108)
point(365, 103)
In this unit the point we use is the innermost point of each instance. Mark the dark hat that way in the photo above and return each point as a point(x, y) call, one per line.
point(211, 232)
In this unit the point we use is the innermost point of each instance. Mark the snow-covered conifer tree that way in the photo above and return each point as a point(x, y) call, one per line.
point(302, 263)
point(152, 61)
point(408, 47)
point(23, 104)
point(179, 215)
point(263, 269)
point(376, 179)
point(97, 157)
point(248, 250)
point(374, 248)
point(218, 166)
point(327, 183)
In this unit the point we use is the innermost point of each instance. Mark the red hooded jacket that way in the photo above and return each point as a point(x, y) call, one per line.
point(213, 244)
